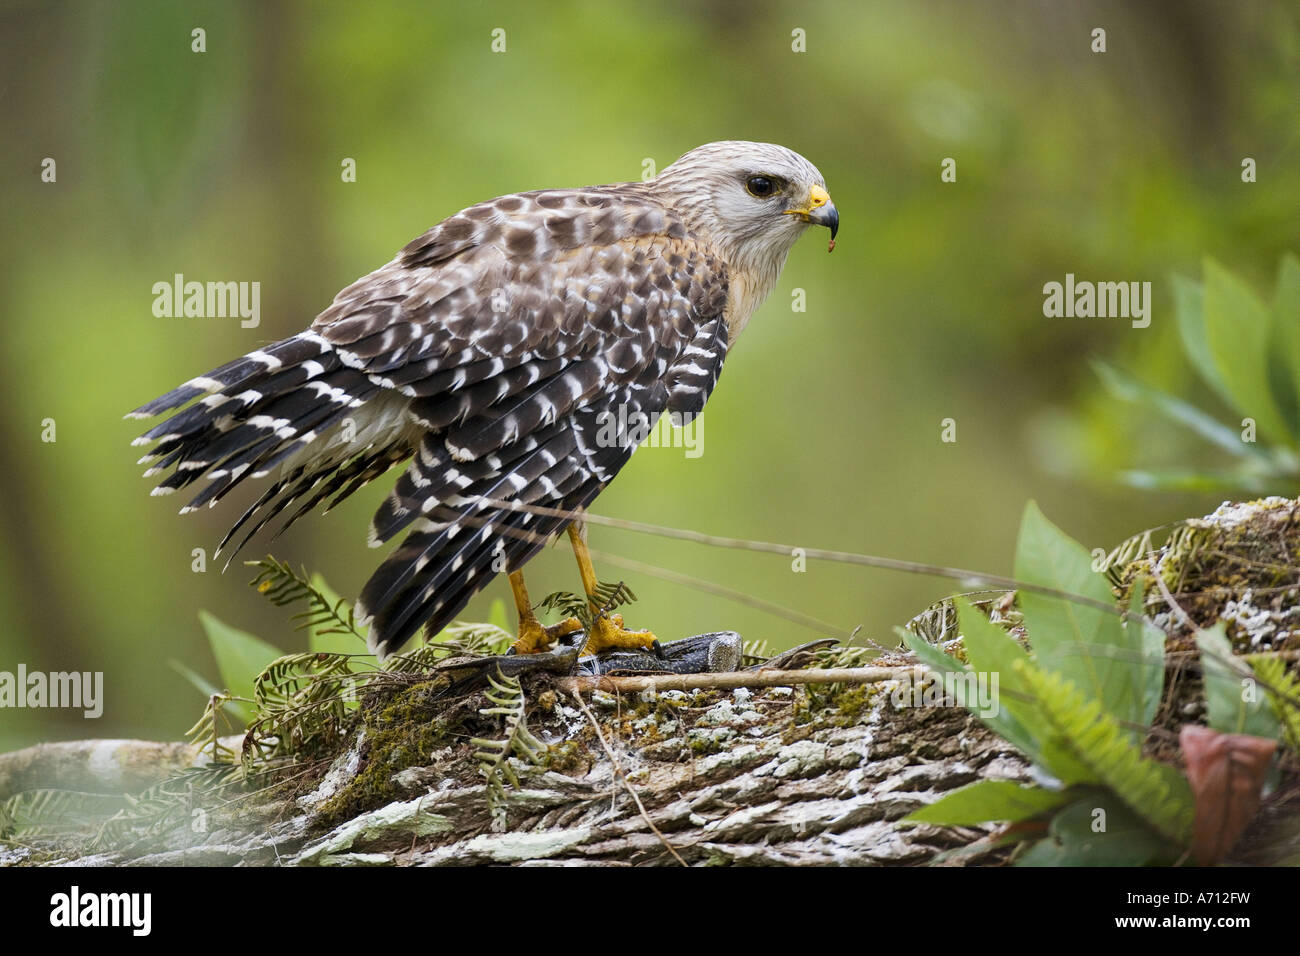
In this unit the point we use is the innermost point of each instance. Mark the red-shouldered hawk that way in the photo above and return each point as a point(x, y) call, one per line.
point(494, 352)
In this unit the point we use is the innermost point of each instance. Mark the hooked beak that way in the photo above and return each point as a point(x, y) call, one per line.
point(819, 210)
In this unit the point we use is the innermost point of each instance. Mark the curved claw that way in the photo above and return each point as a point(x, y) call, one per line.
point(609, 633)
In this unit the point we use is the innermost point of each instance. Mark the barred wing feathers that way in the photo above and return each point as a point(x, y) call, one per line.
point(491, 352)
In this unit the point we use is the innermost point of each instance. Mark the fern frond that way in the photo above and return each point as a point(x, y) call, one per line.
point(302, 701)
point(1180, 539)
point(109, 819)
point(34, 814)
point(205, 733)
point(283, 587)
point(937, 624)
point(168, 803)
point(565, 604)
point(506, 698)
point(474, 640)
point(290, 678)
point(844, 655)
point(1156, 792)
point(1284, 694)
point(1125, 553)
point(607, 598)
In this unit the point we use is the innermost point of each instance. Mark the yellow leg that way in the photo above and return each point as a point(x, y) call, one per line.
point(533, 636)
point(583, 556)
point(608, 630)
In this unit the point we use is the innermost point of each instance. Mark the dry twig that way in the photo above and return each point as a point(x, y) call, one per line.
point(726, 680)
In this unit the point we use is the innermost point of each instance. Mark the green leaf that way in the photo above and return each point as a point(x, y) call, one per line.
point(1098, 830)
point(1156, 792)
point(929, 655)
point(1152, 648)
point(1189, 307)
point(1235, 702)
point(1239, 331)
point(991, 650)
point(1286, 325)
point(1005, 723)
point(988, 801)
point(236, 709)
point(204, 686)
point(1280, 381)
point(241, 657)
point(1059, 759)
point(1128, 389)
point(1085, 645)
point(1283, 694)
point(1286, 296)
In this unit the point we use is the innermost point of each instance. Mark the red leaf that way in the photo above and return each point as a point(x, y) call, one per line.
point(1226, 772)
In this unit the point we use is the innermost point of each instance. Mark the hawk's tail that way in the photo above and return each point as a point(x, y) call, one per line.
point(465, 527)
point(261, 412)
point(432, 575)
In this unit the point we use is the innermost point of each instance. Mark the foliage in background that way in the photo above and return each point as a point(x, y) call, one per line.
point(241, 657)
point(1080, 705)
point(226, 166)
point(1247, 351)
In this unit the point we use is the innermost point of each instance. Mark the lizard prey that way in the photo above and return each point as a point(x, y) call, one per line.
point(716, 652)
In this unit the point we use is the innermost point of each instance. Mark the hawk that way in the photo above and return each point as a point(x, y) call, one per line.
point(493, 353)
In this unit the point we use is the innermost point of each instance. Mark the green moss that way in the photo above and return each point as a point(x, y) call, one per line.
point(568, 757)
point(1251, 561)
point(402, 731)
point(851, 702)
point(703, 746)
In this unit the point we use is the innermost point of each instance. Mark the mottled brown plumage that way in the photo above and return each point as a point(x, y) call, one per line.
point(491, 352)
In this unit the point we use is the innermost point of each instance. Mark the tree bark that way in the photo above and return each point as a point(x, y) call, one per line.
point(809, 774)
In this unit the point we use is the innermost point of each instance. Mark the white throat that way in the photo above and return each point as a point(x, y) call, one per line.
point(754, 269)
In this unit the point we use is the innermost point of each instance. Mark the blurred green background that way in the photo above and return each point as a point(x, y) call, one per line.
point(825, 429)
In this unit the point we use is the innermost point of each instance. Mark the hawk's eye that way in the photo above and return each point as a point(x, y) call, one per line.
point(761, 186)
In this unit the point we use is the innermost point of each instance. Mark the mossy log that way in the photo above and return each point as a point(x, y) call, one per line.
point(818, 774)
point(725, 777)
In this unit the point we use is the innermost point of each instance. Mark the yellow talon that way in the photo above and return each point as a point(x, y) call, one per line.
point(534, 638)
point(608, 632)
point(605, 634)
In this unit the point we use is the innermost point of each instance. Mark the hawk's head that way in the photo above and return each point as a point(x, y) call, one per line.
point(752, 199)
